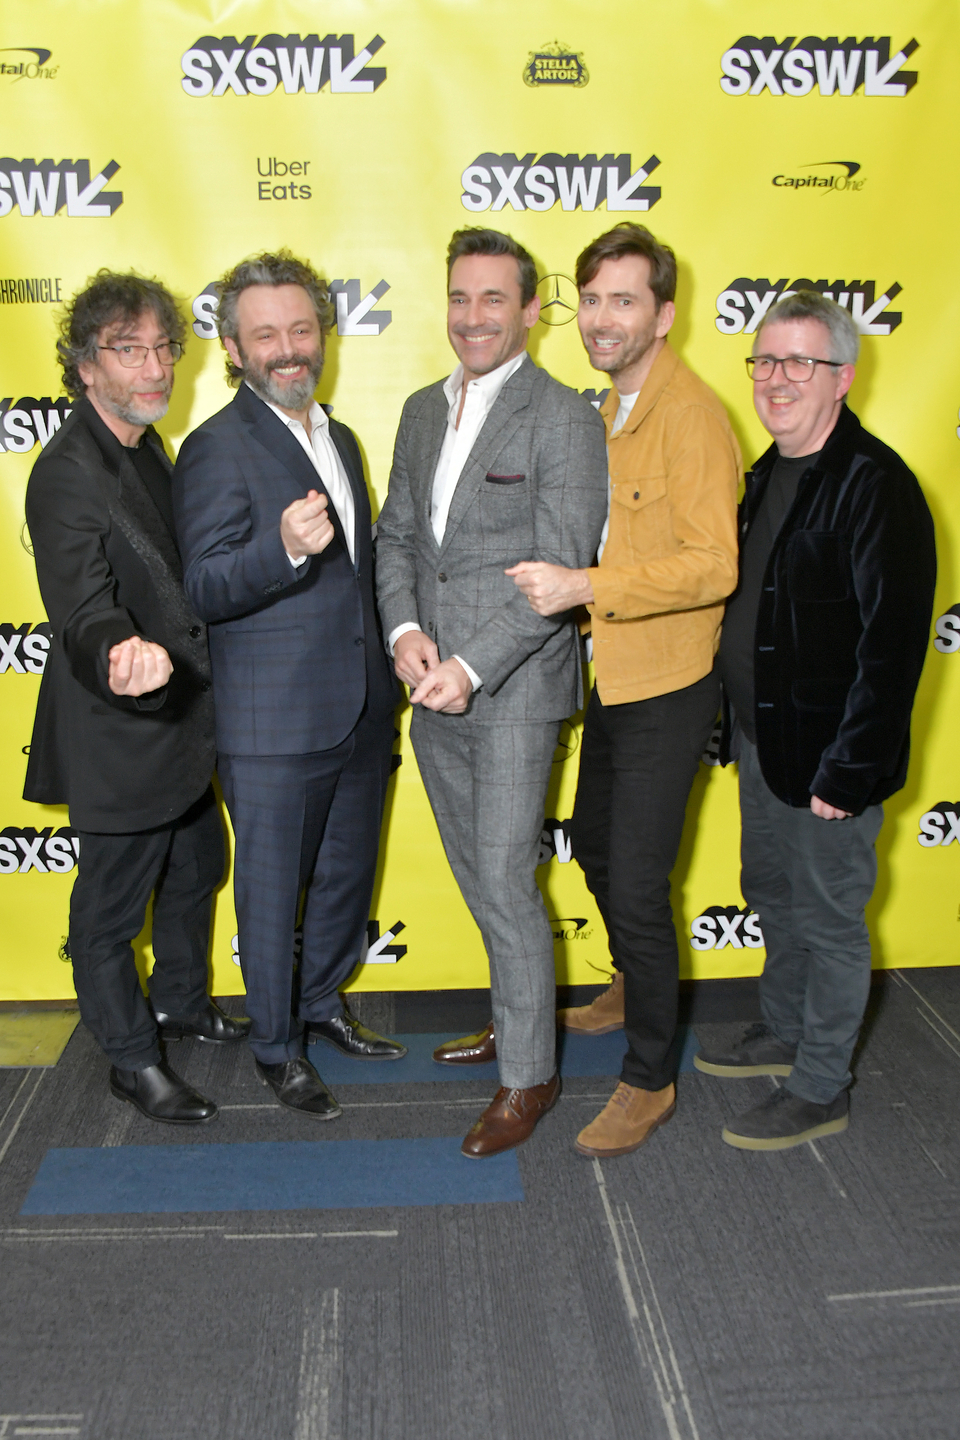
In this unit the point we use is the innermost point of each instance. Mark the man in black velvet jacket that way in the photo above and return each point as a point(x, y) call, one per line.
point(821, 652)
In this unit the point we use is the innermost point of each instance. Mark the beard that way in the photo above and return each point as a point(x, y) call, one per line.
point(124, 402)
point(296, 396)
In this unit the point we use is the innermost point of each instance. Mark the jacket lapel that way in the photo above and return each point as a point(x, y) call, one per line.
point(498, 429)
point(358, 486)
point(432, 429)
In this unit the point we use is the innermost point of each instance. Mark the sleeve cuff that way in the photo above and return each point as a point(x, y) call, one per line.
point(472, 675)
point(396, 632)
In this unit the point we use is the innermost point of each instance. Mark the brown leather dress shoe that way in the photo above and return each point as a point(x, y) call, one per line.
point(510, 1118)
point(471, 1050)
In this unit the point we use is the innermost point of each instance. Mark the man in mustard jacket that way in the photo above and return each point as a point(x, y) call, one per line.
point(666, 562)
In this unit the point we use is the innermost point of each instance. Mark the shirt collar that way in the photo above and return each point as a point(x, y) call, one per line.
point(488, 386)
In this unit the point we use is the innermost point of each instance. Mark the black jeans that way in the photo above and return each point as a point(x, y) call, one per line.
point(637, 764)
point(180, 865)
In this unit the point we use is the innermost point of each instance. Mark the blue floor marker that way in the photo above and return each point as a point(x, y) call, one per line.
point(579, 1056)
point(271, 1175)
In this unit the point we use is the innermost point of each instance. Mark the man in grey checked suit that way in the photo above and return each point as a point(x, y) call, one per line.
point(496, 465)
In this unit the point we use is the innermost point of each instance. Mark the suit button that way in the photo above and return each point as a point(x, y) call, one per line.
point(636, 494)
point(205, 685)
point(609, 614)
point(195, 632)
point(359, 640)
point(441, 576)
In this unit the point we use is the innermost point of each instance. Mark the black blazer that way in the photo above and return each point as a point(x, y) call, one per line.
point(843, 623)
point(296, 653)
point(108, 568)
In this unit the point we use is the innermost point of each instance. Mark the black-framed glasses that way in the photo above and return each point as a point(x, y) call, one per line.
point(131, 357)
point(797, 368)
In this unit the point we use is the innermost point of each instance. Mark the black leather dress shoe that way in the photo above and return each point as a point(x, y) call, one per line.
point(297, 1085)
point(161, 1095)
point(210, 1024)
point(347, 1035)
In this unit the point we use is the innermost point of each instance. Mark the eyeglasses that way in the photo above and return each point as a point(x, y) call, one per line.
point(797, 368)
point(131, 357)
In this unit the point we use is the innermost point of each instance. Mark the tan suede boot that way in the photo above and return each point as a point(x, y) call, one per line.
point(627, 1121)
point(601, 1016)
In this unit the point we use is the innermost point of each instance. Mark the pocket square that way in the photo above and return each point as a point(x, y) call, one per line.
point(506, 479)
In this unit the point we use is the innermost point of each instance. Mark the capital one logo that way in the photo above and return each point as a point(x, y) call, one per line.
point(47, 851)
point(24, 648)
point(525, 182)
point(30, 420)
point(46, 188)
point(744, 303)
point(834, 67)
point(215, 66)
point(722, 925)
point(940, 825)
point(355, 312)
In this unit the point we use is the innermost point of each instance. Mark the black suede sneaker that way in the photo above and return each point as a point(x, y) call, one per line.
point(784, 1120)
point(757, 1052)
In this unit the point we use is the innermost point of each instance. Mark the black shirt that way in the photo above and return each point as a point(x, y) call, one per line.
point(735, 657)
point(148, 464)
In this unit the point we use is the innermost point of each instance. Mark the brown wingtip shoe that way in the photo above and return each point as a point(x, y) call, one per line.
point(471, 1050)
point(627, 1120)
point(601, 1016)
point(510, 1118)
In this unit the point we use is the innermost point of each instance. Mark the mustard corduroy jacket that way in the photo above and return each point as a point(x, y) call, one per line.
point(670, 559)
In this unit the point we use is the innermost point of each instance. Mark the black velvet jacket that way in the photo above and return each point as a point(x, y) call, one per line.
point(843, 624)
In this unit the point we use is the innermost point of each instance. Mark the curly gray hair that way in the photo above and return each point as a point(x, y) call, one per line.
point(269, 268)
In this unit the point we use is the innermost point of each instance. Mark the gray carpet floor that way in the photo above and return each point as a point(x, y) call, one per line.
point(686, 1292)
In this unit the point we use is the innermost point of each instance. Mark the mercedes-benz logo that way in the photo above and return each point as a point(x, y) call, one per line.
point(559, 299)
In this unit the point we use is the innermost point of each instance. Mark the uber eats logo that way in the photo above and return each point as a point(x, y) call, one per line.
point(526, 182)
point(744, 303)
point(30, 420)
point(723, 925)
point(49, 851)
point(46, 188)
point(355, 312)
point(797, 67)
point(215, 66)
point(24, 648)
point(940, 825)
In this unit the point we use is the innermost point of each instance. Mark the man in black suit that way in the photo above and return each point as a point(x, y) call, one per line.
point(274, 525)
point(124, 725)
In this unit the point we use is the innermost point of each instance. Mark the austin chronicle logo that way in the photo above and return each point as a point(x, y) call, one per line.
point(215, 66)
point(743, 304)
point(722, 925)
point(792, 67)
point(556, 64)
point(526, 182)
point(355, 312)
point(940, 825)
point(30, 420)
point(47, 188)
point(559, 299)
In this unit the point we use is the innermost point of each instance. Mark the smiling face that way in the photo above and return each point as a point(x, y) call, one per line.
point(486, 320)
point(800, 415)
point(621, 327)
point(279, 345)
point(128, 400)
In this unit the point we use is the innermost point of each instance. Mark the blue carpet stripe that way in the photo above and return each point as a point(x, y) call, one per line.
point(580, 1056)
point(272, 1175)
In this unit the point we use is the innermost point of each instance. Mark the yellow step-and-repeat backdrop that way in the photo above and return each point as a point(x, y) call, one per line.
point(769, 149)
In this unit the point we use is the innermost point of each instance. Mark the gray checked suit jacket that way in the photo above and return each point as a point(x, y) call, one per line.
point(533, 488)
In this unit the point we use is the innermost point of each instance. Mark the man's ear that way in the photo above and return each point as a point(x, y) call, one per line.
point(665, 318)
point(845, 378)
point(230, 346)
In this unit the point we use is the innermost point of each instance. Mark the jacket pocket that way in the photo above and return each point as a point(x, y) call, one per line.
point(635, 494)
point(818, 567)
point(820, 694)
point(506, 479)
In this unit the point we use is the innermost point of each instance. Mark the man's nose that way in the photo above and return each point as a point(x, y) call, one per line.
point(151, 369)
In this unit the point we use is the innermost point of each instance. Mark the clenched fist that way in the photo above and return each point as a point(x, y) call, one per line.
point(138, 666)
point(305, 526)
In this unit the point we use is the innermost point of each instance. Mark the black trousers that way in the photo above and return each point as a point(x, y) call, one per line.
point(180, 865)
point(637, 764)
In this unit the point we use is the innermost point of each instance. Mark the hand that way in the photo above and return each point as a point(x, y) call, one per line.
point(827, 812)
point(305, 526)
point(551, 588)
point(137, 667)
point(414, 654)
point(447, 687)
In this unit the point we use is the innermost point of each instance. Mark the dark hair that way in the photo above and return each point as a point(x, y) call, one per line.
point(110, 298)
point(476, 241)
point(628, 238)
point(268, 268)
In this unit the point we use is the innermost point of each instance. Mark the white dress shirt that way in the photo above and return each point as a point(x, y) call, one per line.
point(458, 441)
point(627, 403)
point(325, 459)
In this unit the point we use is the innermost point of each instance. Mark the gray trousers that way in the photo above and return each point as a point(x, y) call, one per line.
point(487, 785)
point(809, 880)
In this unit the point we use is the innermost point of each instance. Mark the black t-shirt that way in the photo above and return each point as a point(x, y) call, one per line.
point(737, 639)
point(148, 464)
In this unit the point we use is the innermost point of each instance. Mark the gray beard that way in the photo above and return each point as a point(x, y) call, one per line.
point(288, 397)
point(143, 415)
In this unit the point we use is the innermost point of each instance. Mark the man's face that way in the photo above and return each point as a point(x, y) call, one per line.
point(486, 320)
point(136, 396)
point(279, 344)
point(799, 414)
point(618, 316)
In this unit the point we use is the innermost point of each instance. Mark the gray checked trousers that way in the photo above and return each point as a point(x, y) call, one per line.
point(487, 785)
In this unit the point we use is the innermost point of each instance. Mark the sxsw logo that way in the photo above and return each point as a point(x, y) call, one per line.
point(48, 851)
point(355, 312)
point(213, 66)
point(45, 188)
point(947, 627)
point(723, 925)
point(377, 949)
point(788, 67)
point(24, 648)
point(555, 842)
point(23, 424)
point(525, 182)
point(941, 824)
point(744, 303)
